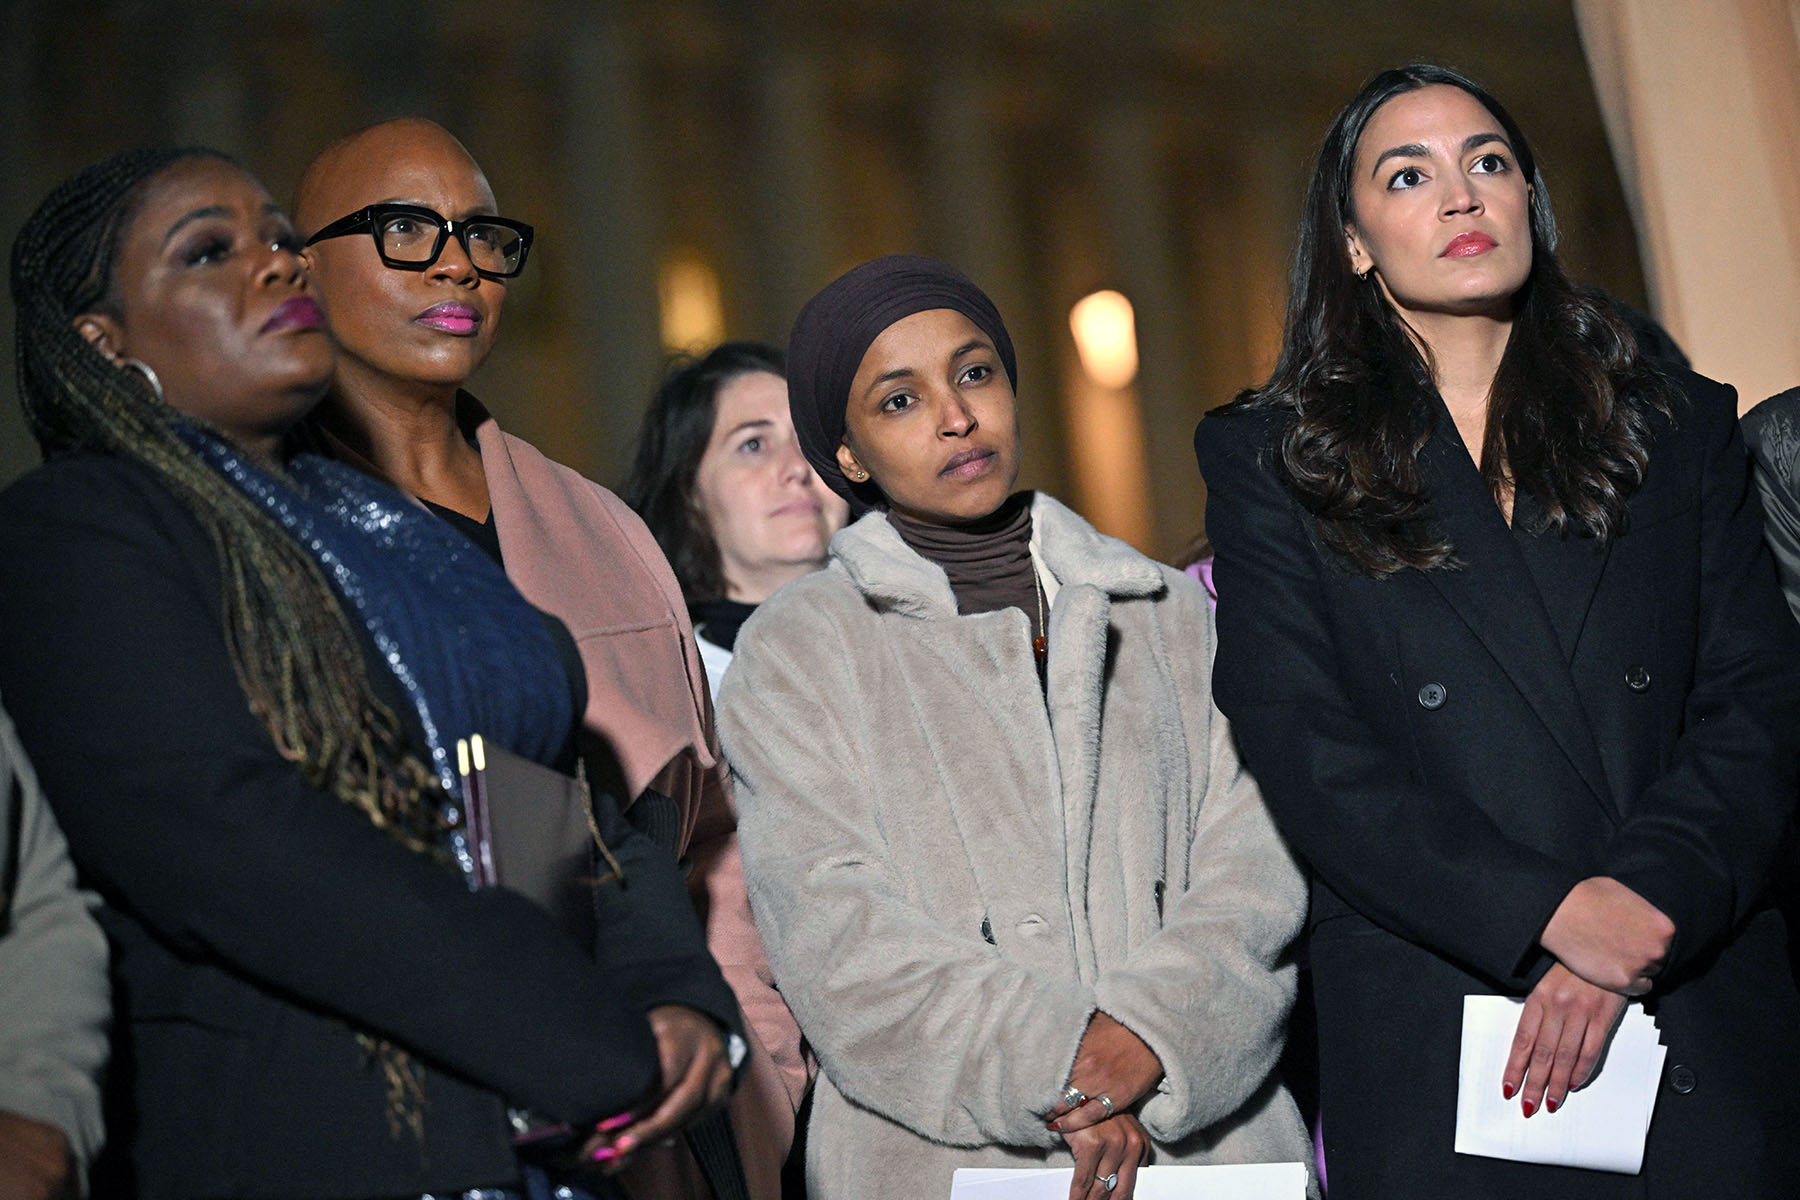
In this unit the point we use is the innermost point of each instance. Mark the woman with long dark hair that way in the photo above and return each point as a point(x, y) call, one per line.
point(242, 672)
point(1502, 645)
point(720, 480)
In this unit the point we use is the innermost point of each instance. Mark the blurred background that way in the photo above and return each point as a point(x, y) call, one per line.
point(697, 169)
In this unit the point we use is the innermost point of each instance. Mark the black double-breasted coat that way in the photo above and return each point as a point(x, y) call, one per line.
point(1452, 750)
point(259, 925)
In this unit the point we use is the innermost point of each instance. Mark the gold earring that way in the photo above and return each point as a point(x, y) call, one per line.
point(857, 474)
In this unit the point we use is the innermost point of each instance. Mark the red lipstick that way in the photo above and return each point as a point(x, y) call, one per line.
point(1468, 245)
point(452, 317)
point(300, 312)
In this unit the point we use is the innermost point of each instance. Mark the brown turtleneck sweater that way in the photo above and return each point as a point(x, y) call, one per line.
point(988, 560)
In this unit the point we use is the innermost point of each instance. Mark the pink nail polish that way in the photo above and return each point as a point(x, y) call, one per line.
point(1528, 1106)
point(625, 1143)
point(615, 1122)
point(1506, 1091)
point(603, 1154)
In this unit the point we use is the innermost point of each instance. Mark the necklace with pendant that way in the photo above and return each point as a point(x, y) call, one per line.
point(1040, 645)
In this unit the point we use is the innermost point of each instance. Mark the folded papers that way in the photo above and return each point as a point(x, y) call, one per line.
point(1232, 1181)
point(1601, 1126)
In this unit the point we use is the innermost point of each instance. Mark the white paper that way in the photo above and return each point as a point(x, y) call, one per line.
point(1601, 1126)
point(1225, 1181)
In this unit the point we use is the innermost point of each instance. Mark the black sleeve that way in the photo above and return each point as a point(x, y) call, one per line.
point(1701, 840)
point(1429, 865)
point(650, 938)
point(1772, 431)
point(178, 807)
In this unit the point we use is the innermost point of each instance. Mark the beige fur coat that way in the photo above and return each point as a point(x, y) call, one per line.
point(951, 874)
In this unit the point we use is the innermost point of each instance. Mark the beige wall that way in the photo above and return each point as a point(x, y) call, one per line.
point(1702, 106)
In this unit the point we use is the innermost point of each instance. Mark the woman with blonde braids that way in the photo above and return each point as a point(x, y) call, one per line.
point(240, 672)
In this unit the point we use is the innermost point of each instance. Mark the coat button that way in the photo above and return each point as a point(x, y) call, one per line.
point(1432, 696)
point(1637, 679)
point(1681, 1079)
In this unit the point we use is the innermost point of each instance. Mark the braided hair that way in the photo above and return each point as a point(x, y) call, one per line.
point(294, 648)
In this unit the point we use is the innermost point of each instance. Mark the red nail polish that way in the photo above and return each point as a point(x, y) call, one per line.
point(1528, 1106)
point(1507, 1090)
point(1552, 1105)
point(1052, 1126)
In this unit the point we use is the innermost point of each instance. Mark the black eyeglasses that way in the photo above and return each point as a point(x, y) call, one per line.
point(409, 238)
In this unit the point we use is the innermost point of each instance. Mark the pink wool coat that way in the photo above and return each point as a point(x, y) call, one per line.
point(576, 551)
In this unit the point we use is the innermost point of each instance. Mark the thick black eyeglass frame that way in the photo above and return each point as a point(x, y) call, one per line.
point(371, 216)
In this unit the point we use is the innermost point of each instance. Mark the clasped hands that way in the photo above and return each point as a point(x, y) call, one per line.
point(1107, 1141)
point(696, 1077)
point(1609, 943)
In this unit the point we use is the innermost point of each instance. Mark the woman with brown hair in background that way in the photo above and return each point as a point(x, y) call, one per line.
point(720, 479)
point(1502, 644)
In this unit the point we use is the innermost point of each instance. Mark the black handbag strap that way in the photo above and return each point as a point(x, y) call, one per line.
point(716, 1150)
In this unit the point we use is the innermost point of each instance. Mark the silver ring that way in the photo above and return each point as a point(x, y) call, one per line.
point(1106, 1102)
point(1073, 1096)
point(1108, 1181)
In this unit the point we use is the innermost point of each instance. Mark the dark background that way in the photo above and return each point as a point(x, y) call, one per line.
point(1048, 147)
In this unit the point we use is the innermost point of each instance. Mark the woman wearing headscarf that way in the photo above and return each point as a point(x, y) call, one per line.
point(1500, 639)
point(409, 251)
point(1013, 882)
point(721, 481)
point(241, 673)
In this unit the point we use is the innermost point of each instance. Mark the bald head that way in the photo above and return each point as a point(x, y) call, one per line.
point(400, 161)
point(421, 329)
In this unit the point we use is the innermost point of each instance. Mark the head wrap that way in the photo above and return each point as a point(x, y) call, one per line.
point(834, 331)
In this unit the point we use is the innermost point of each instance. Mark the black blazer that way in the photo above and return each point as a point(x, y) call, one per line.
point(259, 925)
point(1452, 750)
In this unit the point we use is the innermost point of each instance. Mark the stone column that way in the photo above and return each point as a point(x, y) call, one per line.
point(791, 194)
point(612, 237)
point(1703, 111)
point(1122, 153)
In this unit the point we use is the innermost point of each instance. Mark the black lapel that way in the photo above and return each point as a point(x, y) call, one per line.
point(1494, 594)
point(1566, 567)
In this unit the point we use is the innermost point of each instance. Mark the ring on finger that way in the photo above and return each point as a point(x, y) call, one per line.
point(1073, 1096)
point(1105, 1101)
point(1109, 1182)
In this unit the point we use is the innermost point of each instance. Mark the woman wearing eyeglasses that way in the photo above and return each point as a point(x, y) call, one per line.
point(413, 264)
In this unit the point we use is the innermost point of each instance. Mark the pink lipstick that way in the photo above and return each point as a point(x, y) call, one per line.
point(1468, 245)
point(300, 312)
point(968, 464)
point(452, 316)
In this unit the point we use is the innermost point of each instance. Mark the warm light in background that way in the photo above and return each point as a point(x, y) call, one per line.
point(687, 294)
point(1106, 338)
point(1106, 419)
